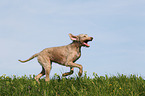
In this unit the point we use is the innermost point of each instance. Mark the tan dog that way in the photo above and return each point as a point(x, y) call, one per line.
point(64, 55)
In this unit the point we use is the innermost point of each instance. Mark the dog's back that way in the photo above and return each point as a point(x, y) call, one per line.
point(64, 55)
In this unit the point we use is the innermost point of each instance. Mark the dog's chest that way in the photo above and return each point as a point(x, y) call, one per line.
point(76, 55)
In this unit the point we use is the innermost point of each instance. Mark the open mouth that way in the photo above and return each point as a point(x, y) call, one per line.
point(86, 43)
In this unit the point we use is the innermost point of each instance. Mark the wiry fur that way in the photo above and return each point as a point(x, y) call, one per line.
point(63, 55)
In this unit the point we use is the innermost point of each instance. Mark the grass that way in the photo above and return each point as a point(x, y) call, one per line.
point(120, 85)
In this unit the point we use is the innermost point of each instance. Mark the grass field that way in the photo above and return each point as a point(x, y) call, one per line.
point(120, 85)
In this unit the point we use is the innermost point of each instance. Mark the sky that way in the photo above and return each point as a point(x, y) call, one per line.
point(117, 26)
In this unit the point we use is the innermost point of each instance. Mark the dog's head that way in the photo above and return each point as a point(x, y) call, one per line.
point(82, 38)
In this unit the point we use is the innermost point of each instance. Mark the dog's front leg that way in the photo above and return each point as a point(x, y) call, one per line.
point(71, 64)
point(69, 73)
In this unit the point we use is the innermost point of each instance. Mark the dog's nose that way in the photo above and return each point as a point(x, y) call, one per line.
point(91, 38)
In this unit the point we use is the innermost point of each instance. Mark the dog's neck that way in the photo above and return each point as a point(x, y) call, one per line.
point(76, 44)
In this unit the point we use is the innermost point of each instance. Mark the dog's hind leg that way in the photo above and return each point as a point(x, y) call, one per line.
point(69, 73)
point(40, 75)
point(46, 63)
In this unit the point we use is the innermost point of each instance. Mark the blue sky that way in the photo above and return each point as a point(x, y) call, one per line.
point(118, 28)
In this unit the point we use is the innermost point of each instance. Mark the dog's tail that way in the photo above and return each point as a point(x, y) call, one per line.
point(35, 55)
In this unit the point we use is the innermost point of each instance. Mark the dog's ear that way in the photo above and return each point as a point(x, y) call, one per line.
point(72, 37)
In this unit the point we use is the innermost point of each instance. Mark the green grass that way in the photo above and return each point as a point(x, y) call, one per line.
point(120, 85)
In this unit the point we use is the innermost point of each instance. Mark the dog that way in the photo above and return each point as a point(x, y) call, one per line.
point(63, 55)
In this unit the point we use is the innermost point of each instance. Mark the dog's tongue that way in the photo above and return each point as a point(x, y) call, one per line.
point(86, 44)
